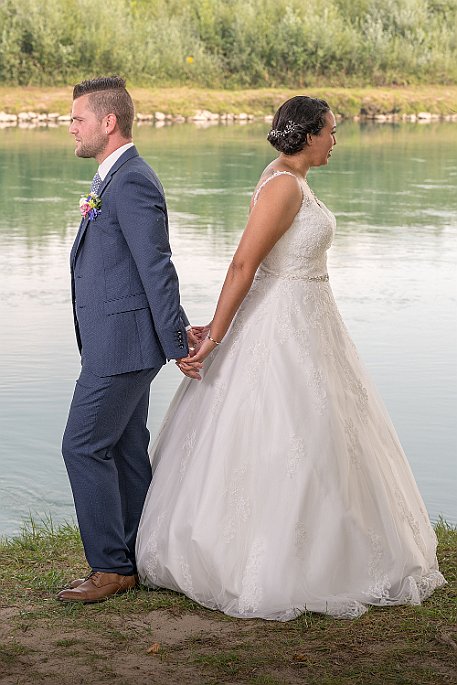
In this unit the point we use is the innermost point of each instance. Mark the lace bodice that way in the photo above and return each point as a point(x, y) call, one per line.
point(302, 251)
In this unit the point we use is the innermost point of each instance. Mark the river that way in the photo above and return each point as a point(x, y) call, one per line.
point(392, 265)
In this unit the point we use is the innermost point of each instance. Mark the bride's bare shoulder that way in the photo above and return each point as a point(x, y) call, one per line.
point(291, 183)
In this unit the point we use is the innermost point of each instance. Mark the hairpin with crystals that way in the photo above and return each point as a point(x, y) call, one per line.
point(290, 127)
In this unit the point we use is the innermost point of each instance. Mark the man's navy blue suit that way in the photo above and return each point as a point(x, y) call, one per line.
point(128, 322)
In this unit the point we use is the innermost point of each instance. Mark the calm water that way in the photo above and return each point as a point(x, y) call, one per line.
point(392, 266)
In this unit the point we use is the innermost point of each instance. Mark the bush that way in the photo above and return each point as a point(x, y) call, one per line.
point(230, 43)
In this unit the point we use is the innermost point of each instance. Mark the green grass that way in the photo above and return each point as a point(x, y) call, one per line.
point(103, 642)
point(347, 102)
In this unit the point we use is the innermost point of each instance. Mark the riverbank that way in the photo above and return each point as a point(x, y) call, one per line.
point(161, 637)
point(48, 106)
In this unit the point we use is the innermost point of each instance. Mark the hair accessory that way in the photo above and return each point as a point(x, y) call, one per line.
point(289, 128)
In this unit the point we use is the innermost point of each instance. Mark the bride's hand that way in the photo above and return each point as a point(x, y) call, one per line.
point(206, 347)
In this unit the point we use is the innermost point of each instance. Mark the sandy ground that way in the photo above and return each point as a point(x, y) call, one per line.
point(155, 648)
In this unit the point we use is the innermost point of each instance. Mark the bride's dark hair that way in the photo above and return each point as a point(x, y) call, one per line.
point(294, 120)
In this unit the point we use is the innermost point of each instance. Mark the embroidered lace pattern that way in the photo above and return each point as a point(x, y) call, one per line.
point(251, 589)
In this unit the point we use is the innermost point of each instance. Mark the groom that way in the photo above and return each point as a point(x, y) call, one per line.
point(128, 323)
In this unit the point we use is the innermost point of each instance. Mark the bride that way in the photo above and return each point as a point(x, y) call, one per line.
point(279, 482)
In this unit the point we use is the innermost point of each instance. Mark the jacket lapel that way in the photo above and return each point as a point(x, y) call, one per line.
point(76, 244)
point(128, 154)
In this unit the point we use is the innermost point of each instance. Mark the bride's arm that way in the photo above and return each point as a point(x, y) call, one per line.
point(269, 219)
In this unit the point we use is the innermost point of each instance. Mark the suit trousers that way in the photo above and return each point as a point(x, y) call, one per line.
point(105, 448)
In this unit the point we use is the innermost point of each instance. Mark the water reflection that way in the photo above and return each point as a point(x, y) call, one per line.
point(393, 191)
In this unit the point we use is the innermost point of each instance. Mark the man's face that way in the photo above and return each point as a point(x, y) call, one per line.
point(89, 132)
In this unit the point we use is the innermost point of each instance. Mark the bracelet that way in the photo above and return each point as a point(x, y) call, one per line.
point(214, 341)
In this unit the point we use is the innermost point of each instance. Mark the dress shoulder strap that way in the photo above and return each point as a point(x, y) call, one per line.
point(275, 174)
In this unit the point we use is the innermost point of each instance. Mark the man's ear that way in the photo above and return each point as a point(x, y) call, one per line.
point(109, 122)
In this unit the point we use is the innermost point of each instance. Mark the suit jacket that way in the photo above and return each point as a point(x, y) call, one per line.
point(124, 286)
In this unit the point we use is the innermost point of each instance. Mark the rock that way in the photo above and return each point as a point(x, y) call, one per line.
point(179, 119)
point(268, 118)
point(8, 118)
point(205, 115)
point(242, 116)
point(144, 117)
point(64, 118)
point(52, 116)
point(424, 116)
point(159, 116)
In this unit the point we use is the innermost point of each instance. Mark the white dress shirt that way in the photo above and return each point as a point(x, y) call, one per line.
point(107, 163)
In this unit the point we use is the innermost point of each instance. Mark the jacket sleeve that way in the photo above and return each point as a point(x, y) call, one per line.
point(142, 217)
point(184, 318)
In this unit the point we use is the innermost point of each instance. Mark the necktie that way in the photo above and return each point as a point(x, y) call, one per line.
point(96, 183)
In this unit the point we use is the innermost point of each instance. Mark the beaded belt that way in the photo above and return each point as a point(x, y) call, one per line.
point(295, 277)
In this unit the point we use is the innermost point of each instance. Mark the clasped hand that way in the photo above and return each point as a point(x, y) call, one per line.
point(199, 349)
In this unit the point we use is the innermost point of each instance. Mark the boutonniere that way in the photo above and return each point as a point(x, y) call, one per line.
point(90, 206)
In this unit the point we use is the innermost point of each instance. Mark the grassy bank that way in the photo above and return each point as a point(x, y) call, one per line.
point(347, 102)
point(162, 638)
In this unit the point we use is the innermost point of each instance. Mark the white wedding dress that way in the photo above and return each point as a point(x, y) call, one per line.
point(279, 482)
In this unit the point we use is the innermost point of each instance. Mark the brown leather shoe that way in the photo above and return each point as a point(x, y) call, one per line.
point(74, 583)
point(97, 587)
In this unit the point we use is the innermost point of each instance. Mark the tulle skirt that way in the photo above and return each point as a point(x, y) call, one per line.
point(279, 482)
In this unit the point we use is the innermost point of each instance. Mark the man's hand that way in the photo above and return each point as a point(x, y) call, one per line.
point(189, 368)
point(192, 342)
point(191, 365)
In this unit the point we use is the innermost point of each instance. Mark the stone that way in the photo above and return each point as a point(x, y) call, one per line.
point(205, 115)
point(6, 118)
point(159, 116)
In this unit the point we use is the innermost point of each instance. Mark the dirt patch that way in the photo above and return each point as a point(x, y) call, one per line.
point(170, 647)
point(114, 650)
